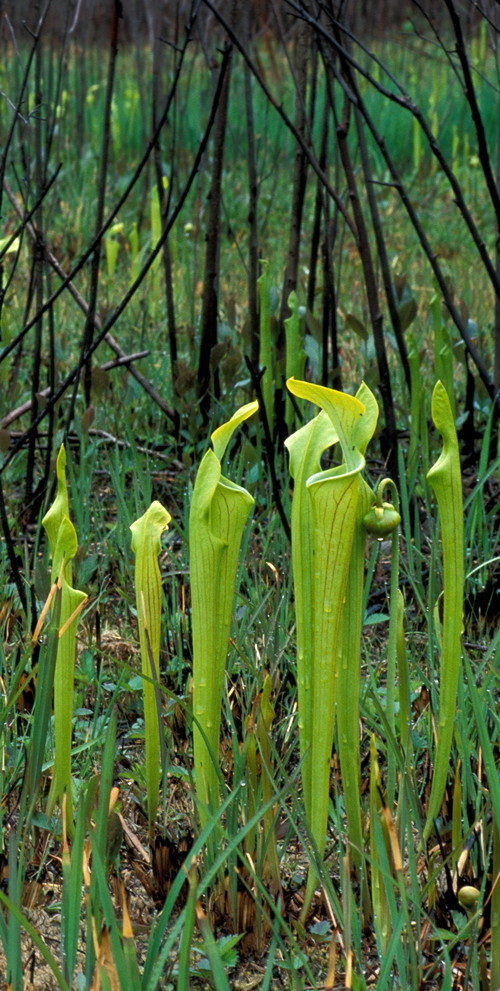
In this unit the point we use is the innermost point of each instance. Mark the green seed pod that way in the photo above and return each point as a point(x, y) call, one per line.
point(380, 521)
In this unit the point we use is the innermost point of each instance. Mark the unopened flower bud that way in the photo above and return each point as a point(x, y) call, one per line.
point(380, 521)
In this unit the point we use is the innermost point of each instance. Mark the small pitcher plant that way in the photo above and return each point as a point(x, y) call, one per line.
point(218, 514)
point(146, 534)
point(63, 542)
point(446, 480)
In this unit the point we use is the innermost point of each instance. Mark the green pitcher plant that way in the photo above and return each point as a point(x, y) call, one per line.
point(445, 478)
point(328, 538)
point(63, 543)
point(146, 535)
point(218, 514)
point(349, 651)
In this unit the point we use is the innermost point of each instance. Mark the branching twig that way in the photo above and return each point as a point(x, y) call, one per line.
point(311, 158)
point(81, 302)
point(82, 260)
point(143, 272)
point(268, 444)
point(405, 101)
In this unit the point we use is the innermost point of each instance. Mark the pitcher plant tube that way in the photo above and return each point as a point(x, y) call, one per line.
point(445, 478)
point(218, 514)
point(325, 516)
point(146, 534)
point(63, 542)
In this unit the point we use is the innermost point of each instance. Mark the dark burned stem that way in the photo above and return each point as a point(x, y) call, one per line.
point(11, 552)
point(142, 274)
point(38, 272)
point(385, 267)
point(268, 444)
point(470, 96)
point(306, 147)
point(350, 87)
point(210, 291)
point(376, 318)
point(432, 258)
point(164, 205)
point(125, 195)
point(82, 303)
point(88, 332)
point(253, 194)
point(402, 99)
